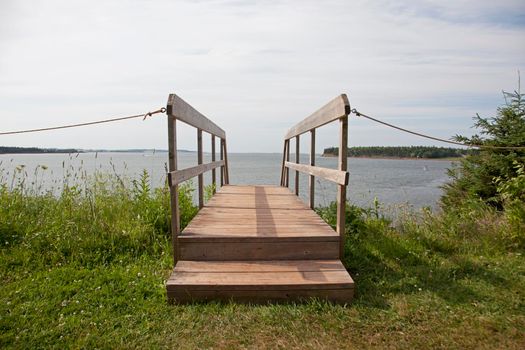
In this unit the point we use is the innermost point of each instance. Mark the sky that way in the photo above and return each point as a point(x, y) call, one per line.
point(255, 68)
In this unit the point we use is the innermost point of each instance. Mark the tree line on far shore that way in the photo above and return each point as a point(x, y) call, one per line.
point(401, 152)
point(20, 150)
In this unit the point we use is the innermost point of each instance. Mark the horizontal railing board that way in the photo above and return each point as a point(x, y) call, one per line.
point(337, 108)
point(178, 176)
point(181, 110)
point(334, 175)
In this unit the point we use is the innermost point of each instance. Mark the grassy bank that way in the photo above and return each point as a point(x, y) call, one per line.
point(87, 269)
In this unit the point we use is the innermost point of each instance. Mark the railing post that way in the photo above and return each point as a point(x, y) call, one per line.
point(282, 164)
point(312, 163)
point(226, 170)
point(199, 161)
point(341, 189)
point(287, 181)
point(174, 194)
point(222, 166)
point(297, 160)
point(213, 175)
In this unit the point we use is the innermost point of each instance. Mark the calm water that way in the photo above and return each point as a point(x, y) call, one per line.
point(415, 182)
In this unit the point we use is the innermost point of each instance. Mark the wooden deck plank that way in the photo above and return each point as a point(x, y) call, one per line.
point(266, 249)
point(271, 275)
point(259, 266)
point(261, 280)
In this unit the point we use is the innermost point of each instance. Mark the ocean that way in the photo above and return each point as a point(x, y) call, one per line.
point(413, 183)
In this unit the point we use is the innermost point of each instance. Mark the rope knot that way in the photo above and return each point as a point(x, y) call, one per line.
point(149, 114)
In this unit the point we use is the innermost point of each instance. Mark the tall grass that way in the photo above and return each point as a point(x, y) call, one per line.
point(100, 220)
point(84, 266)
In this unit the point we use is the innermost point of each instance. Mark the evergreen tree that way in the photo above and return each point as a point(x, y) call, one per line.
point(478, 175)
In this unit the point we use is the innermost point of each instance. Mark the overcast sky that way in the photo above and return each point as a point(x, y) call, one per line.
point(253, 67)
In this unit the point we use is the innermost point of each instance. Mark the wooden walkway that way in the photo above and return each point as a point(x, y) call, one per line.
point(258, 243)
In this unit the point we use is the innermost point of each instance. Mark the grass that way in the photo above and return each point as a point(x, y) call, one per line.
point(86, 269)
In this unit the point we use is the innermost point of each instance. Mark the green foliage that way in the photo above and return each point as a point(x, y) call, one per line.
point(209, 191)
point(489, 174)
point(86, 267)
point(512, 192)
point(106, 219)
point(400, 152)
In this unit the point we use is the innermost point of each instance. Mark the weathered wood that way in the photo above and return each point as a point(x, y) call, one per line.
point(178, 176)
point(297, 160)
point(249, 222)
point(341, 188)
point(334, 175)
point(200, 179)
point(174, 194)
point(282, 164)
point(287, 182)
point(241, 226)
point(255, 235)
point(250, 243)
point(222, 159)
point(213, 172)
point(311, 182)
point(226, 169)
point(260, 281)
point(297, 249)
point(181, 110)
point(260, 266)
point(333, 110)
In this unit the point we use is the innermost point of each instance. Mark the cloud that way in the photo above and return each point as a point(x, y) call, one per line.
point(253, 65)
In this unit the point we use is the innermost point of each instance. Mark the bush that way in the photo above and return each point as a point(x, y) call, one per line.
point(488, 175)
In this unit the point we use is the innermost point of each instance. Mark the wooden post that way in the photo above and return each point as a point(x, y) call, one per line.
point(174, 194)
point(287, 159)
point(222, 166)
point(213, 175)
point(199, 161)
point(226, 170)
point(297, 145)
point(282, 164)
point(312, 163)
point(341, 189)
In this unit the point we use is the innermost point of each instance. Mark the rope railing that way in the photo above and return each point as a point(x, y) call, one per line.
point(143, 116)
point(359, 114)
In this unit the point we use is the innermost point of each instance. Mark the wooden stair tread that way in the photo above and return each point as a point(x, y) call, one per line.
point(260, 275)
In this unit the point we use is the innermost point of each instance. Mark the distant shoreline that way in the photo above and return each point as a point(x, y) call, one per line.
point(450, 159)
point(37, 150)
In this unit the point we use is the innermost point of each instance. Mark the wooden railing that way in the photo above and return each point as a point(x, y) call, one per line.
point(178, 109)
point(337, 109)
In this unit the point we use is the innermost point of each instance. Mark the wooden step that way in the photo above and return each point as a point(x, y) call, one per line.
point(257, 223)
point(266, 249)
point(260, 281)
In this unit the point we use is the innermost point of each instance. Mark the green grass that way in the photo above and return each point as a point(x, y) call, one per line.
point(86, 269)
